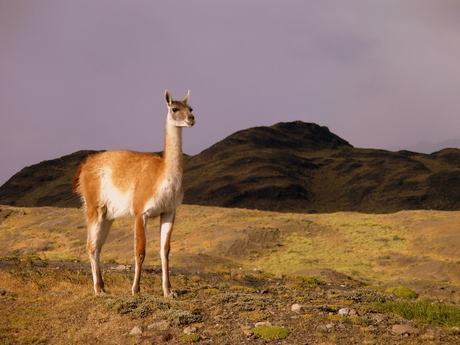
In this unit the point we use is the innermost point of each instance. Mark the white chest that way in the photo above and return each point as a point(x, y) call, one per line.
point(168, 197)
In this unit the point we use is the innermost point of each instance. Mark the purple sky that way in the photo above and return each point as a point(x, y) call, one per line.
point(91, 74)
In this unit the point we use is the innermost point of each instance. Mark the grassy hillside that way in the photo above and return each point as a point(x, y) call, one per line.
point(419, 249)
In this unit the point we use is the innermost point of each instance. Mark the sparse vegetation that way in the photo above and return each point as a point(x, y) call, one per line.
point(226, 288)
point(36, 291)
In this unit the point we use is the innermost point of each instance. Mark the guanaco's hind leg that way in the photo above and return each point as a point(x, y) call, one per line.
point(140, 222)
point(98, 230)
point(166, 226)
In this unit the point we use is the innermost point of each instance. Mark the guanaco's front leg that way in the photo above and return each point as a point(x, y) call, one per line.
point(166, 227)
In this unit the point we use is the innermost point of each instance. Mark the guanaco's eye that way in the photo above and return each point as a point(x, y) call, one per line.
point(175, 110)
point(191, 109)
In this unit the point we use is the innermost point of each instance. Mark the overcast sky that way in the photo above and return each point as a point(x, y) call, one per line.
point(91, 74)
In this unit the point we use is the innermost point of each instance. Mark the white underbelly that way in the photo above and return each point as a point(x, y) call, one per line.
point(118, 204)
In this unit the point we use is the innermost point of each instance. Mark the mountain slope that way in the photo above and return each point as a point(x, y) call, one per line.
point(269, 168)
point(301, 167)
point(48, 183)
point(287, 167)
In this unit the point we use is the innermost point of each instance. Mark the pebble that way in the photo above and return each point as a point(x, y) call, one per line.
point(247, 332)
point(297, 308)
point(121, 268)
point(135, 331)
point(190, 330)
point(161, 325)
point(325, 327)
point(404, 329)
point(263, 323)
point(344, 312)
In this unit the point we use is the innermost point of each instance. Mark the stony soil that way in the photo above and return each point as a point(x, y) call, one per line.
point(46, 302)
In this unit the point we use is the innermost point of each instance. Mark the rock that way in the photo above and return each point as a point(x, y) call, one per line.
point(160, 325)
point(190, 330)
point(325, 327)
point(120, 268)
point(247, 332)
point(404, 329)
point(297, 308)
point(136, 331)
point(263, 323)
point(344, 312)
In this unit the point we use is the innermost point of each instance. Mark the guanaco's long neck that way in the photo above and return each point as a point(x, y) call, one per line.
point(172, 154)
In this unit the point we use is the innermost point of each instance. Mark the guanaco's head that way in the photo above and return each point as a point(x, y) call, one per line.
point(179, 112)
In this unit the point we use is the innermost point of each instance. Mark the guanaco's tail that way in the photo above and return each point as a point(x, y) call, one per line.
point(76, 180)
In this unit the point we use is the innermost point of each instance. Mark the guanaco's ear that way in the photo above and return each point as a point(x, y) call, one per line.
point(187, 96)
point(168, 98)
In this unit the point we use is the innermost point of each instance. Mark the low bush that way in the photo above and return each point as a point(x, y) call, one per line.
point(271, 332)
point(433, 313)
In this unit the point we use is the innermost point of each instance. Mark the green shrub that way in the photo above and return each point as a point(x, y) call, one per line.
point(271, 332)
point(337, 318)
point(192, 338)
point(212, 291)
point(433, 313)
point(299, 281)
point(135, 307)
point(402, 291)
point(180, 317)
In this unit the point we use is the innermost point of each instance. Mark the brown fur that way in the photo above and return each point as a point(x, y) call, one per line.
point(115, 184)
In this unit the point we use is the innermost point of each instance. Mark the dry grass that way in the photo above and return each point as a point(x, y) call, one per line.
point(403, 247)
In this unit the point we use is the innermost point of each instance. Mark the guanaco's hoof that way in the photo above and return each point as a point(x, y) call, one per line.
point(170, 294)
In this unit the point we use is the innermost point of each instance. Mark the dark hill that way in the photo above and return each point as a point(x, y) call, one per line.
point(285, 136)
point(293, 166)
point(48, 183)
point(269, 168)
